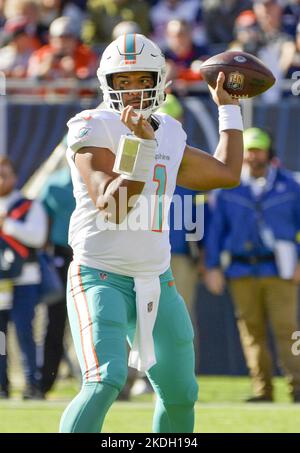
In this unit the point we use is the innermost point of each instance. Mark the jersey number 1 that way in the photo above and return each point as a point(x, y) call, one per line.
point(159, 176)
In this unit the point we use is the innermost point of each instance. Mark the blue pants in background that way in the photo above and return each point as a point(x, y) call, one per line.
point(26, 297)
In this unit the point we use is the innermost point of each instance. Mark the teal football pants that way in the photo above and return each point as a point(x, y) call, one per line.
point(102, 315)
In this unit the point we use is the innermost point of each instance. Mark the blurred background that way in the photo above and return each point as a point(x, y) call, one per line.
point(49, 53)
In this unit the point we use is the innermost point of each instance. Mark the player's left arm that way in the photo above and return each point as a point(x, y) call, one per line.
point(201, 171)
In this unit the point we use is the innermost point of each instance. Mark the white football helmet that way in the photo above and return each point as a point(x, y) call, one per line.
point(129, 53)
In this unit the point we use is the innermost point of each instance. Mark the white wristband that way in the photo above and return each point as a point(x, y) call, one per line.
point(230, 117)
point(134, 157)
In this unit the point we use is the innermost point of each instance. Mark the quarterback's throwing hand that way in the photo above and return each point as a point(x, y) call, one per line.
point(137, 123)
point(219, 94)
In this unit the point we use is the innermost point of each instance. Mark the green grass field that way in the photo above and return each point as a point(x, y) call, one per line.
point(220, 410)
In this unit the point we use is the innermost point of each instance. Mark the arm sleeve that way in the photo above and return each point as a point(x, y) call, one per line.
point(88, 131)
point(33, 231)
point(216, 233)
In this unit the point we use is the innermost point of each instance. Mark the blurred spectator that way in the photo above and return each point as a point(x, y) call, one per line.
point(104, 15)
point(277, 46)
point(12, 8)
point(269, 16)
point(219, 17)
point(15, 55)
point(291, 17)
point(75, 9)
point(264, 268)
point(64, 56)
point(52, 9)
point(182, 54)
point(59, 203)
point(30, 9)
point(295, 56)
point(188, 10)
point(248, 37)
point(127, 26)
point(2, 13)
point(23, 229)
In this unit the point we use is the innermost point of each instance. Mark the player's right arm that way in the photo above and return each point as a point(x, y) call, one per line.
point(92, 142)
point(95, 166)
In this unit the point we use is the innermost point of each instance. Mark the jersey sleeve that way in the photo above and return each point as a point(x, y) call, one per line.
point(88, 131)
point(184, 136)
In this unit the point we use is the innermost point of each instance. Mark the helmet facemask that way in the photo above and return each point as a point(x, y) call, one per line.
point(150, 98)
point(147, 58)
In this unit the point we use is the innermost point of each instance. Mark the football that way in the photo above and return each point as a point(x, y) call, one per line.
point(245, 75)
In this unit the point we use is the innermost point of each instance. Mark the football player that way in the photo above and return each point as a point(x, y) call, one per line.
point(122, 155)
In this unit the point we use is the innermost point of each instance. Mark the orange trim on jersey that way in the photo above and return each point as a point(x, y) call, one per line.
point(90, 325)
point(171, 283)
point(80, 325)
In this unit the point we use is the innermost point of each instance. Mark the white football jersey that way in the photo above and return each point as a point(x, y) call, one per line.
point(139, 246)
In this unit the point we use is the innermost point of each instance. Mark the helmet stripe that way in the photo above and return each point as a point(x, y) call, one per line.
point(130, 48)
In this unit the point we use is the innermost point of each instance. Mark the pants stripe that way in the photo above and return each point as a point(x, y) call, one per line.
point(95, 363)
point(85, 324)
point(79, 320)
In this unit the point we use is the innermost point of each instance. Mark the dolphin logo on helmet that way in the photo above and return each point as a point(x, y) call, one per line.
point(128, 53)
